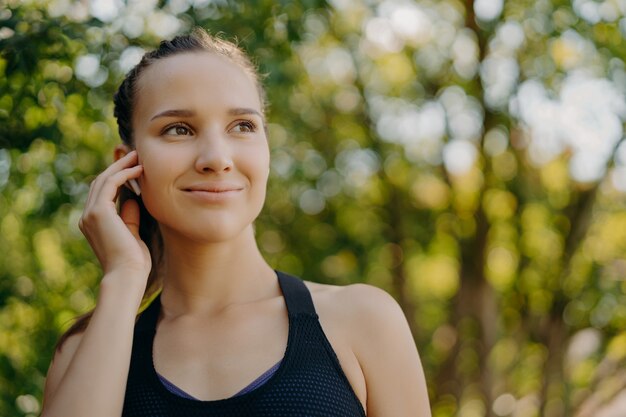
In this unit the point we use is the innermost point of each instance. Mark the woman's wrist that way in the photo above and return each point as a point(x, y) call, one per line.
point(125, 288)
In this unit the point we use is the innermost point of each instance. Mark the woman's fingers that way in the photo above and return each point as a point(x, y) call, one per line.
point(127, 161)
point(124, 162)
point(114, 237)
point(130, 216)
point(100, 204)
point(111, 184)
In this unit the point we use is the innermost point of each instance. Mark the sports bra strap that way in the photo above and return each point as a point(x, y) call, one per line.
point(148, 318)
point(297, 295)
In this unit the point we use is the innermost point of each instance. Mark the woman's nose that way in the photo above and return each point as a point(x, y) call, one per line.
point(214, 154)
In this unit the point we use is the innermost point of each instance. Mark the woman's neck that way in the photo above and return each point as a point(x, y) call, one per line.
point(204, 278)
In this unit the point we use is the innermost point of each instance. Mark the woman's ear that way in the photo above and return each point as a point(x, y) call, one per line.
point(121, 150)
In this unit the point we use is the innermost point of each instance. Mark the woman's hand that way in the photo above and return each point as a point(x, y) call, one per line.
point(114, 237)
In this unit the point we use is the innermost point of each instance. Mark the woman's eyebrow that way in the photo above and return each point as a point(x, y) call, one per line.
point(244, 110)
point(174, 113)
point(190, 113)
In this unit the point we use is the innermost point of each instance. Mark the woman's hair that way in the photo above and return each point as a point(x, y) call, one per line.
point(124, 100)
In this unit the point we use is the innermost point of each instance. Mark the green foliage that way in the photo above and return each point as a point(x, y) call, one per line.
point(407, 152)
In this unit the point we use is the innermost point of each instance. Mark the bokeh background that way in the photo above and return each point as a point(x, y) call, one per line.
point(466, 156)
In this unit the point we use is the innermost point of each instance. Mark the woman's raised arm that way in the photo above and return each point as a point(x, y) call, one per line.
point(88, 374)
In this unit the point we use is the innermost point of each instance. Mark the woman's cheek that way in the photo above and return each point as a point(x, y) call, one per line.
point(152, 157)
point(156, 174)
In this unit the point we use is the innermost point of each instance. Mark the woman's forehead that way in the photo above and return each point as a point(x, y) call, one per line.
point(196, 78)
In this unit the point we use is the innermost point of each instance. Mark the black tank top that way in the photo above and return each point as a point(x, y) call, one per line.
point(308, 383)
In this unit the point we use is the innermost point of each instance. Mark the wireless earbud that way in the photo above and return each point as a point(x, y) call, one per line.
point(134, 185)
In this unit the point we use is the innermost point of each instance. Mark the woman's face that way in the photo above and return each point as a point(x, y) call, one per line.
point(199, 133)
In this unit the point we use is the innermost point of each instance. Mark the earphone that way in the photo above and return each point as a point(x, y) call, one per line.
point(133, 185)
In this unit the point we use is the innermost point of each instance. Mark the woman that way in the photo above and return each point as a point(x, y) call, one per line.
point(191, 117)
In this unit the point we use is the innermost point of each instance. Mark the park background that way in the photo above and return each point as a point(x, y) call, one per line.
point(466, 156)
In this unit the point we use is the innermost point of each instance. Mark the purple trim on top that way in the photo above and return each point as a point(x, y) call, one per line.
point(174, 389)
point(260, 380)
point(252, 386)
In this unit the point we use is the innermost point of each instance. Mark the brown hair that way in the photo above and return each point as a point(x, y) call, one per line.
point(124, 100)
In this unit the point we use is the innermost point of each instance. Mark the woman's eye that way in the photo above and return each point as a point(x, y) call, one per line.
point(244, 126)
point(177, 130)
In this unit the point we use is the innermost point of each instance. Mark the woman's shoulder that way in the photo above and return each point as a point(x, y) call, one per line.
point(362, 310)
point(366, 323)
point(353, 299)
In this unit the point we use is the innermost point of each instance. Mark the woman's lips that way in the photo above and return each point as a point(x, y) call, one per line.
point(214, 187)
point(213, 193)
